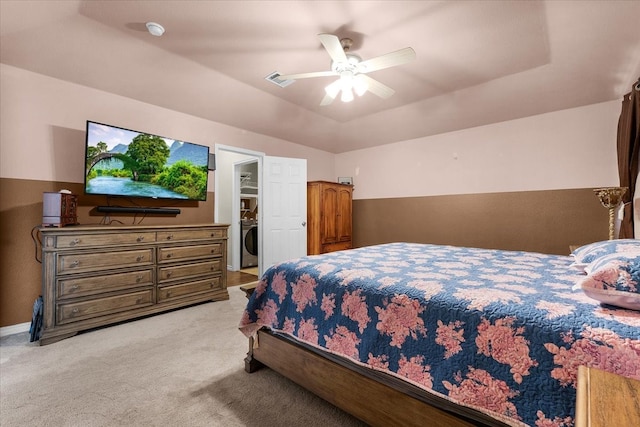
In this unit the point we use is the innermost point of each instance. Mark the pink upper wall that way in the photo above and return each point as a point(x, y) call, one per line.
point(42, 138)
point(43, 128)
point(566, 149)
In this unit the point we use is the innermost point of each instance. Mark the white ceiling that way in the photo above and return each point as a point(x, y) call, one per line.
point(478, 62)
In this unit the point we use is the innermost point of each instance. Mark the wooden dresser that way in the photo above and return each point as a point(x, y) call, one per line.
point(605, 399)
point(329, 217)
point(99, 275)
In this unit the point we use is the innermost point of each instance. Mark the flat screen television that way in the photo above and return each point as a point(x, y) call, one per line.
point(128, 163)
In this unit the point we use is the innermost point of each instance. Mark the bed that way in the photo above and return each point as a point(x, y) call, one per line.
point(419, 334)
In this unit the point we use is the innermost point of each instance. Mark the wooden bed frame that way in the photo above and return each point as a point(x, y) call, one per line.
point(374, 397)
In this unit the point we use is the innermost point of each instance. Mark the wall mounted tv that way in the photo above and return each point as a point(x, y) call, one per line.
point(129, 163)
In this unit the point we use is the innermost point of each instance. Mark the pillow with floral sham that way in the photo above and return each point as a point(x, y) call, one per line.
point(590, 252)
point(614, 279)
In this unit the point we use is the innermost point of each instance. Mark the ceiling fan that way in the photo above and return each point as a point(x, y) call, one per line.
point(352, 70)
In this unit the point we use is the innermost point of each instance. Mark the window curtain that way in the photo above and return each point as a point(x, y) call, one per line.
point(628, 153)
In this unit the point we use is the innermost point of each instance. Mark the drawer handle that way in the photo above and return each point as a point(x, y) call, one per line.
point(74, 264)
point(168, 273)
point(168, 293)
point(170, 236)
point(140, 258)
point(139, 278)
point(139, 301)
point(74, 288)
point(75, 311)
point(74, 242)
point(140, 238)
point(168, 255)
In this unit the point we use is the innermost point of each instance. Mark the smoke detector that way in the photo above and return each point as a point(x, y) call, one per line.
point(155, 29)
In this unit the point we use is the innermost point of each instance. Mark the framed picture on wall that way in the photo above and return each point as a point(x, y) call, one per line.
point(345, 180)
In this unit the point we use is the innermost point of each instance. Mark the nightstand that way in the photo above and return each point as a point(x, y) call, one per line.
point(606, 399)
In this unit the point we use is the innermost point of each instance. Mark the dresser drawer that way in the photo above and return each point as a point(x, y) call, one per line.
point(106, 239)
point(179, 253)
point(80, 262)
point(191, 235)
point(189, 270)
point(73, 312)
point(79, 287)
point(167, 293)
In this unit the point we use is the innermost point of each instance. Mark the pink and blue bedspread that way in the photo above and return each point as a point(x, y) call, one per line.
point(499, 331)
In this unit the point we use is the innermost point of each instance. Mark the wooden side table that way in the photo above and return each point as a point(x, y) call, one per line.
point(606, 399)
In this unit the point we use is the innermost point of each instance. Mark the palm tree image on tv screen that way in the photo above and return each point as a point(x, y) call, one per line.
point(122, 162)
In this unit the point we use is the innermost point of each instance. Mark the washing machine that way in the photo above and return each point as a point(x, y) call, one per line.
point(249, 244)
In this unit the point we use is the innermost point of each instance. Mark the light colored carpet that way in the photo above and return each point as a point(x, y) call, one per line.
point(182, 368)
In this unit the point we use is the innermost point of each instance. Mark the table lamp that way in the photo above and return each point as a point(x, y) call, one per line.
point(610, 198)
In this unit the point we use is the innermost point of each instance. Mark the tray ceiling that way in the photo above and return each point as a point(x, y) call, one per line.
point(478, 62)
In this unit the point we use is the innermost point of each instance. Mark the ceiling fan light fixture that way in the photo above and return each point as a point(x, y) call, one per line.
point(155, 29)
point(347, 95)
point(346, 80)
point(333, 89)
point(352, 70)
point(360, 86)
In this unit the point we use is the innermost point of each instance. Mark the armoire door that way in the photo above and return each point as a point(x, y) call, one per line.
point(343, 217)
point(329, 214)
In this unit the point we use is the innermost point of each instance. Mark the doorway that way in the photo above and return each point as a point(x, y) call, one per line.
point(230, 162)
point(247, 177)
point(281, 196)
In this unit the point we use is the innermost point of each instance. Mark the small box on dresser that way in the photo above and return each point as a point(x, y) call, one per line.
point(59, 209)
point(97, 275)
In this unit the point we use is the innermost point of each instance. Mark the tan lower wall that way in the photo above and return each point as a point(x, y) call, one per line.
point(21, 212)
point(542, 221)
point(538, 221)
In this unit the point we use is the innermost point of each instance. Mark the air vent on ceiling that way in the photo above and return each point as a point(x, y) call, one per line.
point(273, 77)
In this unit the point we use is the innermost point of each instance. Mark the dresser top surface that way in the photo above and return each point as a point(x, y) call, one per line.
point(120, 228)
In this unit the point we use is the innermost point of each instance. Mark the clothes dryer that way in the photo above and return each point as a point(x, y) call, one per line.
point(249, 254)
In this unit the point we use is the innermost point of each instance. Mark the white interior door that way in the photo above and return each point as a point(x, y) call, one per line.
point(284, 212)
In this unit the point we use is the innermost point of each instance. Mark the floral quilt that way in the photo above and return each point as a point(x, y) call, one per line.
point(499, 331)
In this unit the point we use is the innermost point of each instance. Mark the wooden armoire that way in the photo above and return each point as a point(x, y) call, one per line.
point(329, 217)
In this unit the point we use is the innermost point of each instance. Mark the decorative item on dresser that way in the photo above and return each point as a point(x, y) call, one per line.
point(329, 217)
point(95, 276)
point(59, 209)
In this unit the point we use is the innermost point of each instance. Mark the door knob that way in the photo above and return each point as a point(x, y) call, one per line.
point(304, 223)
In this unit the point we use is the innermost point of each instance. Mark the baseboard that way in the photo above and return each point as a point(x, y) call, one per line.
point(15, 329)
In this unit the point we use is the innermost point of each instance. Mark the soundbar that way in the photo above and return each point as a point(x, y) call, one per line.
point(134, 209)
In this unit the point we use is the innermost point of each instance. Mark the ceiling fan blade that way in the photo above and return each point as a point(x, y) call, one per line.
point(307, 75)
point(391, 59)
point(328, 99)
point(377, 88)
point(331, 92)
point(333, 46)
